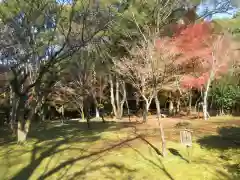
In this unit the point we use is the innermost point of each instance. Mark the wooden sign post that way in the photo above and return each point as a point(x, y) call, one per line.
point(186, 140)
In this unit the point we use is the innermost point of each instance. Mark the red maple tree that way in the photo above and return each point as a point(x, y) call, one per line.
point(208, 54)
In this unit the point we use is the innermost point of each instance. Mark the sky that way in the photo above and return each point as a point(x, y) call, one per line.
point(208, 6)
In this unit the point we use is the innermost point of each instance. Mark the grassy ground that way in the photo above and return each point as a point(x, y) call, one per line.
point(114, 151)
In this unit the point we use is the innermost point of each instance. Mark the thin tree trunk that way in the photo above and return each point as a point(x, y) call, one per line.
point(102, 116)
point(196, 104)
point(205, 100)
point(13, 112)
point(112, 96)
point(43, 108)
point(146, 106)
point(43, 113)
point(128, 110)
point(170, 108)
point(88, 122)
point(118, 115)
point(82, 112)
point(222, 111)
point(178, 105)
point(87, 115)
point(205, 116)
point(97, 112)
point(160, 125)
point(145, 110)
point(124, 99)
point(190, 103)
point(137, 103)
point(117, 104)
point(96, 107)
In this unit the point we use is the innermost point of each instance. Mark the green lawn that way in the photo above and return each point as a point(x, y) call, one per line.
point(109, 151)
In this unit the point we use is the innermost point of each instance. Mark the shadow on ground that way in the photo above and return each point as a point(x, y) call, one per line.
point(49, 139)
point(159, 165)
point(176, 153)
point(6, 135)
point(55, 130)
point(228, 142)
point(112, 167)
point(227, 137)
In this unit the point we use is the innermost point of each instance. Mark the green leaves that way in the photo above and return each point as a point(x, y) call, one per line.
point(226, 93)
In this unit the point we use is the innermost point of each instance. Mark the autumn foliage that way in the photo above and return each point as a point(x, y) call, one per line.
point(203, 54)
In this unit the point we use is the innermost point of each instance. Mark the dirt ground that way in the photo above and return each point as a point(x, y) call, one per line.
point(200, 127)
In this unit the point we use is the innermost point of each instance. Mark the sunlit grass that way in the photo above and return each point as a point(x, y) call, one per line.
point(224, 118)
point(65, 153)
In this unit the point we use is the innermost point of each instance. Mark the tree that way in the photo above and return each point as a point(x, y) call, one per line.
point(187, 83)
point(78, 82)
point(211, 53)
point(118, 95)
point(136, 70)
point(47, 33)
point(225, 93)
point(149, 68)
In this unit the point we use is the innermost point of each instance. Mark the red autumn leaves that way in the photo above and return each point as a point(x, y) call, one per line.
point(201, 53)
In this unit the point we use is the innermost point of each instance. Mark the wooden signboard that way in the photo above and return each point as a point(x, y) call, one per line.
point(186, 137)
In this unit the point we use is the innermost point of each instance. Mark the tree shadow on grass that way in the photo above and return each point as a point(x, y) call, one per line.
point(110, 174)
point(51, 139)
point(55, 130)
point(52, 149)
point(228, 137)
point(176, 153)
point(5, 135)
point(158, 165)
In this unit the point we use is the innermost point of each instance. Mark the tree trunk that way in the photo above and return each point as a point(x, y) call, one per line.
point(86, 112)
point(118, 115)
point(88, 122)
point(22, 131)
point(205, 113)
point(117, 104)
point(97, 112)
point(102, 116)
point(124, 99)
point(178, 105)
point(137, 103)
point(43, 112)
point(205, 100)
point(13, 112)
point(145, 110)
point(146, 104)
point(23, 126)
point(160, 126)
point(170, 108)
point(112, 96)
point(86, 107)
point(196, 104)
point(82, 113)
point(190, 103)
point(222, 111)
point(128, 111)
point(96, 106)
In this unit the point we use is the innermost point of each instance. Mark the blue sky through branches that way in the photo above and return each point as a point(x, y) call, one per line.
point(218, 9)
